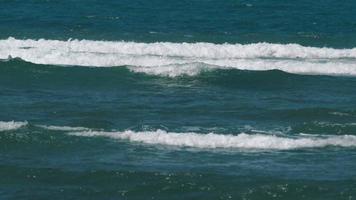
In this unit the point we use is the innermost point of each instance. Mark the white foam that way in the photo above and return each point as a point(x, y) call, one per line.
point(211, 140)
point(63, 128)
point(11, 125)
point(173, 59)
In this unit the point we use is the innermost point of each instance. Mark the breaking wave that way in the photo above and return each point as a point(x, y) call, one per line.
point(212, 140)
point(11, 125)
point(200, 140)
point(63, 128)
point(174, 59)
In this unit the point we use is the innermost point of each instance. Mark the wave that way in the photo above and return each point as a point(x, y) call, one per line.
point(174, 59)
point(212, 140)
point(63, 128)
point(266, 141)
point(11, 125)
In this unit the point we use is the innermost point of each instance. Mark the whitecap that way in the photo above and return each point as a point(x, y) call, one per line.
point(11, 125)
point(212, 140)
point(63, 128)
point(174, 59)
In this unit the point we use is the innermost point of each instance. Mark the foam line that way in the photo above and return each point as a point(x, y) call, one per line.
point(174, 59)
point(11, 125)
point(63, 128)
point(212, 140)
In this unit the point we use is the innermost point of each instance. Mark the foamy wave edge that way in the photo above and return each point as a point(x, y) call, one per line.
point(174, 59)
point(11, 125)
point(212, 140)
point(63, 128)
point(200, 140)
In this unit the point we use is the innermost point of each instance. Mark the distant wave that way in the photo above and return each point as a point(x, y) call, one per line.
point(266, 141)
point(174, 59)
point(11, 125)
point(212, 140)
point(63, 128)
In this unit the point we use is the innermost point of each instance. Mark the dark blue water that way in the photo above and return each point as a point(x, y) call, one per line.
point(316, 23)
point(199, 99)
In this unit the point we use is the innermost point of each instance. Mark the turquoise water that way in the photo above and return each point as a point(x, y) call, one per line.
point(177, 99)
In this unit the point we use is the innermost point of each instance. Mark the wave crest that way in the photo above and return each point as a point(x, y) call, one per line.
point(174, 59)
point(212, 140)
point(11, 125)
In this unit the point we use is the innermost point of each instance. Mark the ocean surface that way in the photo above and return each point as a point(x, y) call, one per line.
point(190, 99)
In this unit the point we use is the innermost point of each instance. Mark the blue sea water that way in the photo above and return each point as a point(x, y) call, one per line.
point(191, 99)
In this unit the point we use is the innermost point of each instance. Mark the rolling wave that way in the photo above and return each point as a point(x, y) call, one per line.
point(175, 59)
point(11, 125)
point(212, 140)
point(201, 140)
point(63, 128)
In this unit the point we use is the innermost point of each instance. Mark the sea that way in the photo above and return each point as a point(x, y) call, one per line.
point(178, 99)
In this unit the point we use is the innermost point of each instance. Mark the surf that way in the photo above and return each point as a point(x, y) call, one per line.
point(176, 59)
point(214, 140)
point(11, 125)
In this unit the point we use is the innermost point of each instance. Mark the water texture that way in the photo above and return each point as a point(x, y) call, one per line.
point(198, 99)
